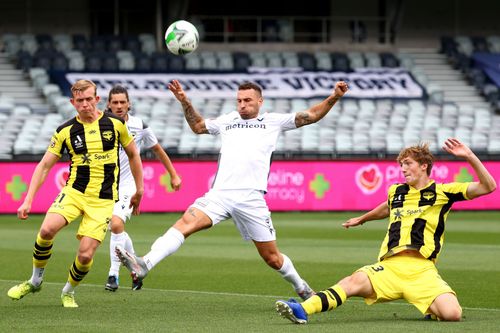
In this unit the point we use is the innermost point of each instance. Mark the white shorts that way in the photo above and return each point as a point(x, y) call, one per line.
point(122, 206)
point(247, 208)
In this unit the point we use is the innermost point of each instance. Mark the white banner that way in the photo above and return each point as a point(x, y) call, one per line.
point(363, 83)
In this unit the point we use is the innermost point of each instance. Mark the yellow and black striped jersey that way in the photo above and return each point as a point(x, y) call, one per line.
point(417, 217)
point(93, 150)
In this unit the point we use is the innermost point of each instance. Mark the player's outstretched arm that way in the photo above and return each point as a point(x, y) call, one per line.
point(378, 213)
point(318, 111)
point(175, 180)
point(486, 182)
point(41, 171)
point(194, 119)
point(136, 168)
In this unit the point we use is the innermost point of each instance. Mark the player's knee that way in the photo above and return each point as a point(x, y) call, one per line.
point(47, 233)
point(356, 284)
point(189, 224)
point(451, 314)
point(273, 260)
point(84, 258)
point(117, 227)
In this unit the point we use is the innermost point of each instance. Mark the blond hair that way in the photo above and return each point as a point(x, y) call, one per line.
point(82, 85)
point(419, 153)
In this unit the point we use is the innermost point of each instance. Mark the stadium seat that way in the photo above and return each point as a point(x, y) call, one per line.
point(109, 63)
point(114, 44)
point(241, 61)
point(76, 63)
point(389, 60)
point(63, 42)
point(448, 45)
point(193, 62)
point(24, 61)
point(99, 43)
point(356, 59)
point(493, 43)
point(307, 61)
point(43, 61)
point(323, 61)
point(464, 45)
point(80, 42)
point(176, 64)
point(480, 44)
point(93, 63)
point(132, 44)
point(143, 63)
point(340, 62)
point(226, 62)
point(59, 63)
point(159, 63)
point(372, 60)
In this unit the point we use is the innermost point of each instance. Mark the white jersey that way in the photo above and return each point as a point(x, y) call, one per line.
point(247, 146)
point(143, 137)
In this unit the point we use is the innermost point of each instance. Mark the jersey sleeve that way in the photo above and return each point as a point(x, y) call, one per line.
point(57, 144)
point(149, 139)
point(287, 121)
point(214, 125)
point(125, 136)
point(459, 190)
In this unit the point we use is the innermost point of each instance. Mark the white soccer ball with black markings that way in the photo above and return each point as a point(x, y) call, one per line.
point(181, 37)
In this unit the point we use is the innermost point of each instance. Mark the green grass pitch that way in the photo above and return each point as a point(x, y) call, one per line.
point(217, 282)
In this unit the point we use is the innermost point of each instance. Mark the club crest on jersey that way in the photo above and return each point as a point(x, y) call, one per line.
point(107, 135)
point(427, 197)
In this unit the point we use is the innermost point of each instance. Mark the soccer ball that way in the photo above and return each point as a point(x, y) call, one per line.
point(181, 37)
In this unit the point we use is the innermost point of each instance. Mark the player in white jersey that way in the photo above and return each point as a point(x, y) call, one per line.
point(119, 104)
point(248, 140)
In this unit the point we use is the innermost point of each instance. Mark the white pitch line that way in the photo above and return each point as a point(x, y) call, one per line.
point(202, 292)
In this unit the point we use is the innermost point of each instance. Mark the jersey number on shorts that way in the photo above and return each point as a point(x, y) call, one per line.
point(377, 268)
point(60, 197)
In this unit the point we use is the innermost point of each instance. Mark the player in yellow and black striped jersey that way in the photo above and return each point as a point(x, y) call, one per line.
point(417, 212)
point(417, 217)
point(91, 139)
point(93, 149)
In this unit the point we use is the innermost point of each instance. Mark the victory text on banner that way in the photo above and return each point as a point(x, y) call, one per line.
point(363, 83)
point(293, 186)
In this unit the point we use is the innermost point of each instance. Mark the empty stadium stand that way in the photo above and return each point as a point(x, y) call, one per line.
point(460, 99)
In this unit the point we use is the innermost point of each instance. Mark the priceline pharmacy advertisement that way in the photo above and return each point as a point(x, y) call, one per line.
point(293, 185)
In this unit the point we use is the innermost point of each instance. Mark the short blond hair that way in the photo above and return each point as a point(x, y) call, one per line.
point(420, 153)
point(82, 85)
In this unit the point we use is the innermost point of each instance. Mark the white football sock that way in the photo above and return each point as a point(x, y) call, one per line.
point(164, 246)
point(115, 240)
point(289, 273)
point(37, 276)
point(129, 246)
point(68, 288)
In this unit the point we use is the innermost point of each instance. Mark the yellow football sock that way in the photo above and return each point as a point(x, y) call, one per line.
point(78, 271)
point(325, 300)
point(42, 250)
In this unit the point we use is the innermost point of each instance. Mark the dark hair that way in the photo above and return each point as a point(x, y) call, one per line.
point(250, 85)
point(118, 90)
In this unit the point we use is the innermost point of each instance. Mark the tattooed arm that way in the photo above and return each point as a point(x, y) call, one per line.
point(193, 118)
point(318, 111)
